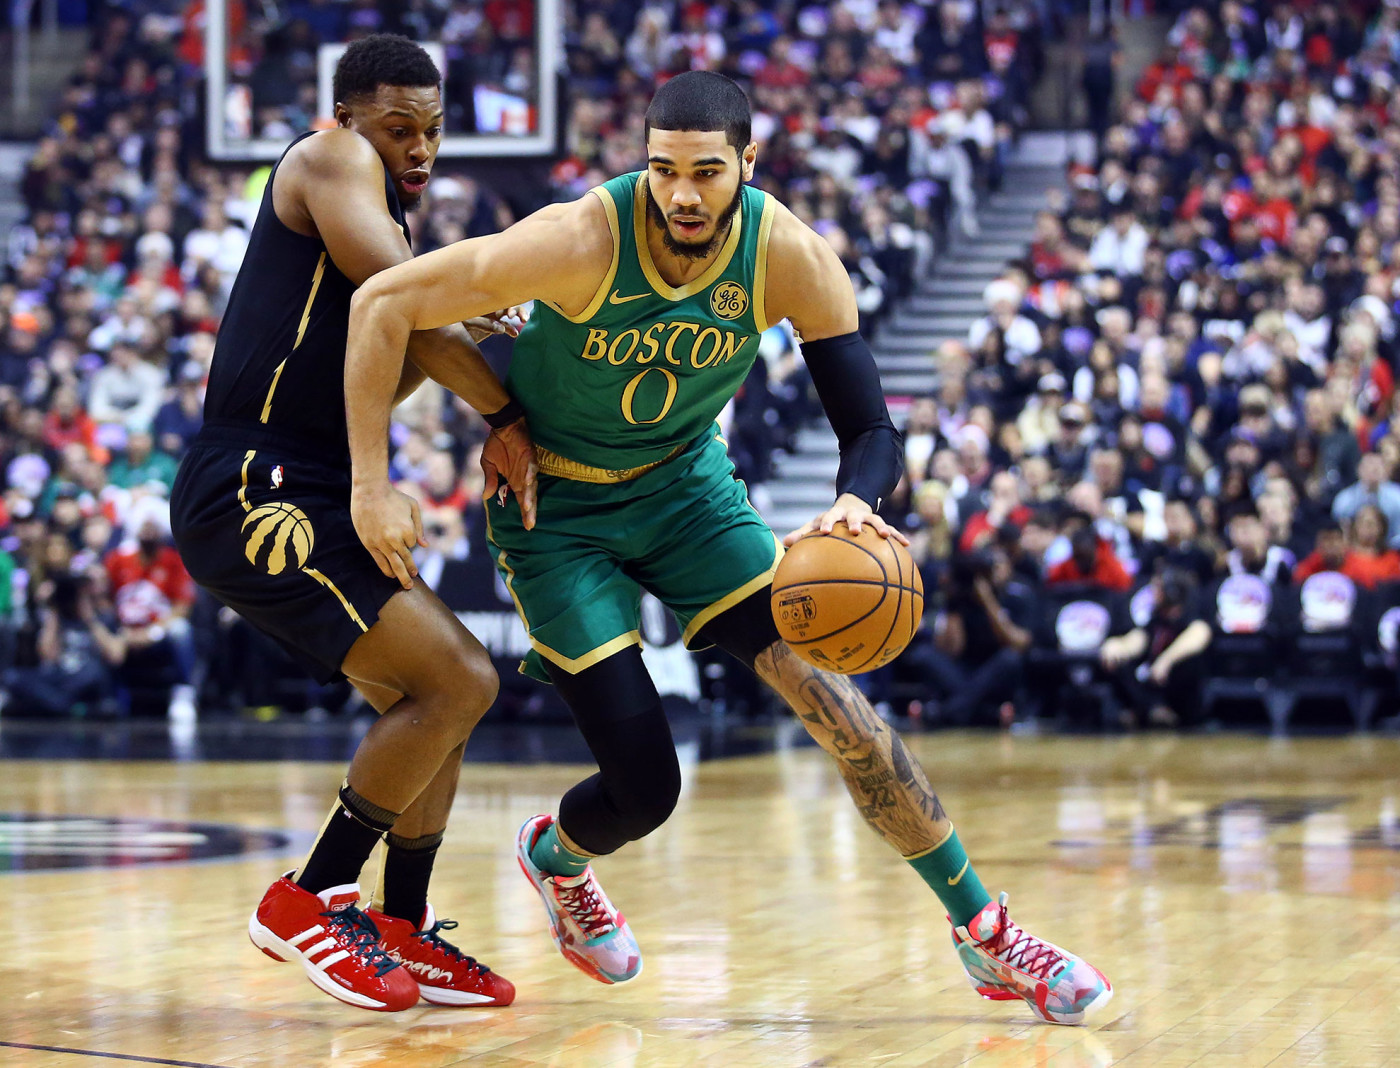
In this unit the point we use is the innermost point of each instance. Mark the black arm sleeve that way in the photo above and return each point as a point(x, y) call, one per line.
point(848, 383)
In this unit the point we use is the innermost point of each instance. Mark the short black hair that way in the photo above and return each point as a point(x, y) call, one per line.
point(702, 100)
point(1084, 539)
point(381, 59)
point(1245, 509)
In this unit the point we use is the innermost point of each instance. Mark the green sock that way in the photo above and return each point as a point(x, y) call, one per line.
point(949, 873)
point(554, 857)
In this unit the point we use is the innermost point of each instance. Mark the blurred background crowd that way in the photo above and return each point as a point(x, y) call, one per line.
point(1181, 394)
point(1186, 387)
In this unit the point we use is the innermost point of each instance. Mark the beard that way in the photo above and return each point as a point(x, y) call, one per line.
point(693, 250)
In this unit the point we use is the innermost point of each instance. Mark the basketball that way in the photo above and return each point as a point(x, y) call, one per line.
point(845, 602)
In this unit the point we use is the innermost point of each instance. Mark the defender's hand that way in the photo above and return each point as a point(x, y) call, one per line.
point(389, 524)
point(508, 321)
point(510, 452)
point(852, 511)
point(1159, 671)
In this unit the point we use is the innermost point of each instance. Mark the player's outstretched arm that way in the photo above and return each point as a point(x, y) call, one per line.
point(331, 186)
point(808, 285)
point(559, 255)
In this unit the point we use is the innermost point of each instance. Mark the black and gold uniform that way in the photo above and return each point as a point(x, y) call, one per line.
point(261, 508)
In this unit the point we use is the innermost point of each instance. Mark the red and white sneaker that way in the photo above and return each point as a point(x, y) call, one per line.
point(1004, 963)
point(592, 935)
point(336, 943)
point(444, 974)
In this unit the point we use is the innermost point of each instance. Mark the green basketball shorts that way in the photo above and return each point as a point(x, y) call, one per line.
point(683, 531)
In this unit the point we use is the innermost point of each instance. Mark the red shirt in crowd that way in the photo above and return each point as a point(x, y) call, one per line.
point(784, 75)
point(513, 20)
point(1318, 51)
point(1047, 262)
point(1160, 73)
point(1109, 572)
point(1364, 569)
point(80, 430)
point(77, 255)
point(457, 500)
point(979, 528)
point(1001, 48)
point(1276, 220)
point(165, 571)
point(169, 277)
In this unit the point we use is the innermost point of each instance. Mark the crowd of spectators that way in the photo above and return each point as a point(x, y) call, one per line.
point(878, 123)
point(1190, 374)
point(491, 65)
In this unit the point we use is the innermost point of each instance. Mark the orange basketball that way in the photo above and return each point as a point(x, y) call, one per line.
point(847, 603)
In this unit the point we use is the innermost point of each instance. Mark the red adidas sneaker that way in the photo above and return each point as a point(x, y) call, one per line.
point(335, 942)
point(445, 975)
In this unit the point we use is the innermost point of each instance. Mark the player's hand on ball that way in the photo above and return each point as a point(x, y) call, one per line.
point(509, 452)
point(389, 525)
point(508, 321)
point(852, 511)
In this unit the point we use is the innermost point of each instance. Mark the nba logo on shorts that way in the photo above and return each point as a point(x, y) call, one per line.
point(277, 477)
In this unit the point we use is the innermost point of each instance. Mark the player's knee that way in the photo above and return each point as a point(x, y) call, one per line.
point(477, 683)
point(648, 798)
point(463, 692)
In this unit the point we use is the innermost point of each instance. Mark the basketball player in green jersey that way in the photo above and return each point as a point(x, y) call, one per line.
point(650, 294)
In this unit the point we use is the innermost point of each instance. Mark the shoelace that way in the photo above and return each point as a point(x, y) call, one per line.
point(584, 905)
point(432, 938)
point(361, 936)
point(1021, 950)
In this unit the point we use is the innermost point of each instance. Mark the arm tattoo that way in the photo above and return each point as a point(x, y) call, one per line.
point(889, 787)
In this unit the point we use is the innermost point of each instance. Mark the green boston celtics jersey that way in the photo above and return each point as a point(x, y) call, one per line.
point(647, 366)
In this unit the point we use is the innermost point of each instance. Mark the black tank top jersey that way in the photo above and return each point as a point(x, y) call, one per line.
point(279, 361)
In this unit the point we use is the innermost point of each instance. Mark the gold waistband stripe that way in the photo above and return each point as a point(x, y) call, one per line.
point(551, 463)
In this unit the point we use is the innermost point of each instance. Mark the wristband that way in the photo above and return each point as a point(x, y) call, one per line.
point(504, 417)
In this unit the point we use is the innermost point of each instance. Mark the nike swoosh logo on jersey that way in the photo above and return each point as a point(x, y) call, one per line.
point(614, 298)
point(955, 879)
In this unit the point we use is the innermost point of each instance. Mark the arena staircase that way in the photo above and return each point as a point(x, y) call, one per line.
point(944, 306)
point(53, 56)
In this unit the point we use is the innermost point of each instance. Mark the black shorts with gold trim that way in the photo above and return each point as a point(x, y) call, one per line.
point(262, 521)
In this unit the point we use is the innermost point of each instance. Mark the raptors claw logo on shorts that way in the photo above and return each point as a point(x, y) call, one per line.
point(275, 530)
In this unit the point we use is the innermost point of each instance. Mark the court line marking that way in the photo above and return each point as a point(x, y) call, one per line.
point(111, 1056)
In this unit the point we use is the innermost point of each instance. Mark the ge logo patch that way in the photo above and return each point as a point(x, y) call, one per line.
point(36, 843)
point(728, 300)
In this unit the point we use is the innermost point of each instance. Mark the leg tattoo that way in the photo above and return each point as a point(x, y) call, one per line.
point(887, 784)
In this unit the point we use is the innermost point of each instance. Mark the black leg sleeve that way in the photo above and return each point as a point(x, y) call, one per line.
point(619, 714)
point(745, 630)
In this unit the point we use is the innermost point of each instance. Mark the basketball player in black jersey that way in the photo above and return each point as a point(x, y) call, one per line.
point(261, 514)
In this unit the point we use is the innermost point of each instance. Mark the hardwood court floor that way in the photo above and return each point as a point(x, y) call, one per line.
point(1243, 894)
